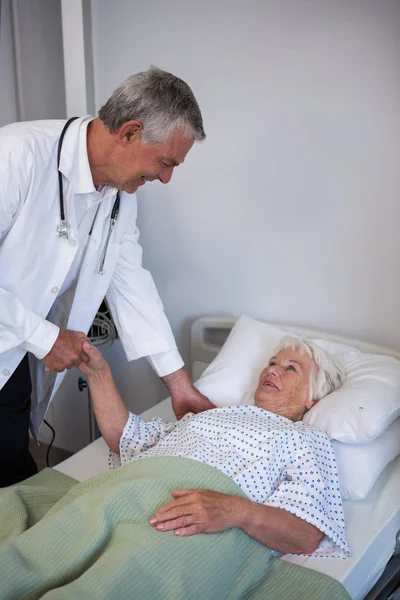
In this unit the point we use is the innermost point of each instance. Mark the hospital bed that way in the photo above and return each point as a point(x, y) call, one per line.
point(372, 524)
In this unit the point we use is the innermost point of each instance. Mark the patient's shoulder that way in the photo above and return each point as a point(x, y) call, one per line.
point(311, 435)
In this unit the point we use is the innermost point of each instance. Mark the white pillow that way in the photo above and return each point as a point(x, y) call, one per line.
point(360, 465)
point(235, 370)
point(367, 403)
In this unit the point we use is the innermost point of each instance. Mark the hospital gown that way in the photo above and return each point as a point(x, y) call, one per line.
point(275, 461)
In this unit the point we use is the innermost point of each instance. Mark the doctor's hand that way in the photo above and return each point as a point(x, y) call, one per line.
point(200, 511)
point(66, 352)
point(193, 402)
point(185, 397)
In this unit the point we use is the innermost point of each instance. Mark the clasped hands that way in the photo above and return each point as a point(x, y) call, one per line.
point(73, 348)
point(67, 351)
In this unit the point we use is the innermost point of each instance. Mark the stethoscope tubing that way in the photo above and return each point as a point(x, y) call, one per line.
point(62, 230)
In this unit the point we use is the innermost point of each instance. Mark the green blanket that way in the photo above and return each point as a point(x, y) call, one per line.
point(65, 540)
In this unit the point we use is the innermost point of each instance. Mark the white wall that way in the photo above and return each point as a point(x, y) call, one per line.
point(290, 209)
point(78, 56)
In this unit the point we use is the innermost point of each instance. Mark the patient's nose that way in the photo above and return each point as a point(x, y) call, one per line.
point(273, 370)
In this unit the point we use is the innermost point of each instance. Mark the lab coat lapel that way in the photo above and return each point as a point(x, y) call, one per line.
point(90, 291)
point(92, 287)
point(43, 382)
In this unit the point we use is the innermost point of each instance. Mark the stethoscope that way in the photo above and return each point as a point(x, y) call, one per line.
point(63, 228)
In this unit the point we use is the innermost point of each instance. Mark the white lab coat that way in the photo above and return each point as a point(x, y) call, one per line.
point(34, 261)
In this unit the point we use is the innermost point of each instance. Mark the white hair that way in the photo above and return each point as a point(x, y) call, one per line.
point(329, 374)
point(162, 102)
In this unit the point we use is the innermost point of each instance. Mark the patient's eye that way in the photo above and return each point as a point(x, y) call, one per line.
point(272, 363)
point(291, 368)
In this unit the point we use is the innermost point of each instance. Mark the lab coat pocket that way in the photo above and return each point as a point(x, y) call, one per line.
point(92, 287)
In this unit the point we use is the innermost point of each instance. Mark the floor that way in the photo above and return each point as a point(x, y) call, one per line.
point(56, 455)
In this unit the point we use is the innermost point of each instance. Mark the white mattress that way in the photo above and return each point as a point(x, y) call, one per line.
point(372, 524)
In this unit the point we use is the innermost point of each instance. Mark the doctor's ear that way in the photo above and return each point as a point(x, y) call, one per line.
point(129, 132)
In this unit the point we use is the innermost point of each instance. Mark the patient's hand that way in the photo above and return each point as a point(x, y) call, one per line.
point(199, 511)
point(96, 362)
point(205, 511)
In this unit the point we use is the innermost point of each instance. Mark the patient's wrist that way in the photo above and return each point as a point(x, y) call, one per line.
point(102, 372)
point(242, 512)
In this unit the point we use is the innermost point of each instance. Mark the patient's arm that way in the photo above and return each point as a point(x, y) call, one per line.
point(109, 409)
point(206, 511)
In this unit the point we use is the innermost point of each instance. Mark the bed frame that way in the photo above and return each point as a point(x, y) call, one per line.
point(208, 334)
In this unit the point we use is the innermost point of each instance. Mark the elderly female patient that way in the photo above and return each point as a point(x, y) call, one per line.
point(286, 469)
point(271, 484)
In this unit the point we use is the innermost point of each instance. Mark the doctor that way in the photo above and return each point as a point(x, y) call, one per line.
point(68, 238)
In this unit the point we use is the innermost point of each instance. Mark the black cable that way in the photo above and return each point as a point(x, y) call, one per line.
point(51, 443)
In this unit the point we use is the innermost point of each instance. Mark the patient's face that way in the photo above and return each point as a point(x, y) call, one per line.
point(284, 385)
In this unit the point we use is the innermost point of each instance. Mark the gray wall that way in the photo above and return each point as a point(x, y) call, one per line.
point(8, 104)
point(34, 66)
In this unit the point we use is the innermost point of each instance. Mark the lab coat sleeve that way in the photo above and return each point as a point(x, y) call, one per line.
point(11, 190)
point(136, 306)
point(19, 326)
point(165, 363)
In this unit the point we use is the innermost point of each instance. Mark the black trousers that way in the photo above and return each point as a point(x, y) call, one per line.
point(16, 462)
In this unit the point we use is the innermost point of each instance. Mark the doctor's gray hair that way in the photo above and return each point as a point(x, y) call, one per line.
point(329, 374)
point(160, 101)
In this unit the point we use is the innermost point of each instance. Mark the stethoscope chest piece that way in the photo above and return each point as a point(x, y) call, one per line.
point(62, 230)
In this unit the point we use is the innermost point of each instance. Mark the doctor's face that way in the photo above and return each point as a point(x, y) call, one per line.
point(138, 161)
point(284, 385)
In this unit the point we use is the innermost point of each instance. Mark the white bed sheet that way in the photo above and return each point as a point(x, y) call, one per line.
point(372, 524)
